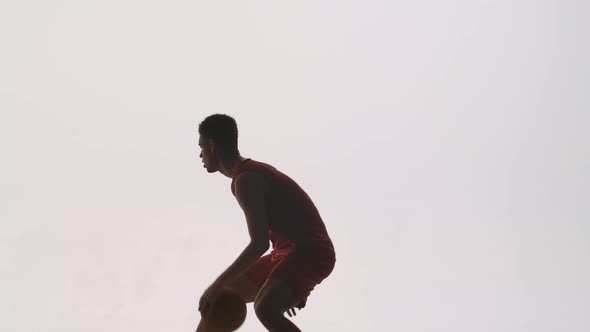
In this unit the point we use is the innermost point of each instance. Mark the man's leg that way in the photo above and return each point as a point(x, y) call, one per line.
point(276, 297)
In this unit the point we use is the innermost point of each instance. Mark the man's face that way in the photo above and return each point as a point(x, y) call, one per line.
point(206, 154)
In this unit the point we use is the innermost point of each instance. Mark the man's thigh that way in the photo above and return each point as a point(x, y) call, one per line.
point(277, 296)
point(301, 272)
point(249, 283)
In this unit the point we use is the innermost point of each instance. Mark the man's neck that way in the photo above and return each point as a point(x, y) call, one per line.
point(228, 168)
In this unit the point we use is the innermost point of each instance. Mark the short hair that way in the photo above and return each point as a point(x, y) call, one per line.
point(223, 130)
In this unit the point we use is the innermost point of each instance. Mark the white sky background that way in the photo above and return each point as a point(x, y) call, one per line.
point(445, 144)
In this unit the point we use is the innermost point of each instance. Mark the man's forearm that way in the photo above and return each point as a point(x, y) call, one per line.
point(248, 256)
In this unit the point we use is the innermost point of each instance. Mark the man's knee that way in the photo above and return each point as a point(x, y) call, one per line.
point(264, 310)
point(274, 299)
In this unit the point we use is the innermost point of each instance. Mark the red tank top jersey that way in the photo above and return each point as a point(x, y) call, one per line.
point(295, 222)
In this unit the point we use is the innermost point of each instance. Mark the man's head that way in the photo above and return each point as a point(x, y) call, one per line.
point(218, 140)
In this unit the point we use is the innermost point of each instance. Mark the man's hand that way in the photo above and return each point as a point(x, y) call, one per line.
point(209, 297)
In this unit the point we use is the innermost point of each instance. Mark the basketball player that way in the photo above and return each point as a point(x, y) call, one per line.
point(276, 210)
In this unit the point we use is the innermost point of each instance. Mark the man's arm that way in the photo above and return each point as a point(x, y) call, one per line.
point(250, 192)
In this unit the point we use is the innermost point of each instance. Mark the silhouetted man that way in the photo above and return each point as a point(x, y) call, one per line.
point(276, 209)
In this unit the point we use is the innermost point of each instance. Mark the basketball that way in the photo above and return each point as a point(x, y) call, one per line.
point(227, 312)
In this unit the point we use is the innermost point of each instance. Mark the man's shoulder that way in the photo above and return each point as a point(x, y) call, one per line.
point(252, 178)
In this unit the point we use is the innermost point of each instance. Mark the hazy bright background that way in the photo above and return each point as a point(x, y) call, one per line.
point(445, 144)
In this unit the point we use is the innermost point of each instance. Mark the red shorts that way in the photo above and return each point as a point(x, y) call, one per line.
point(301, 269)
